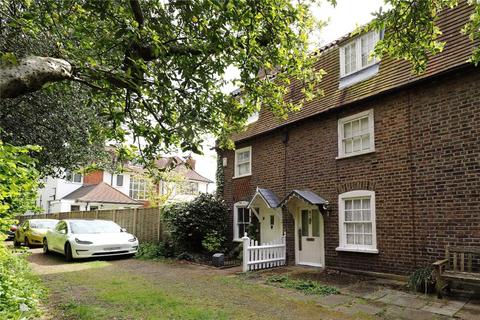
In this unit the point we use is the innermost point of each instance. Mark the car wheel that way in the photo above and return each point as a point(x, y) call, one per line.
point(68, 253)
point(45, 246)
point(16, 244)
point(27, 243)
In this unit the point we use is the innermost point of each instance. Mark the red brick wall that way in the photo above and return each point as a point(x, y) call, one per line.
point(93, 177)
point(425, 172)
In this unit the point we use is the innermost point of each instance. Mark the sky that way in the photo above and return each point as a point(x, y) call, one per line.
point(342, 19)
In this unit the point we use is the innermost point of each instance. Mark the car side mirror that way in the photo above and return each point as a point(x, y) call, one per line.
point(123, 230)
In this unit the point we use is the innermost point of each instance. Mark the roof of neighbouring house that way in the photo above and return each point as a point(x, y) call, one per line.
point(178, 165)
point(392, 74)
point(102, 192)
point(268, 196)
point(305, 195)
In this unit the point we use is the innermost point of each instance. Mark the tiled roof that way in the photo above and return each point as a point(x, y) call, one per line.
point(177, 164)
point(268, 195)
point(102, 192)
point(392, 74)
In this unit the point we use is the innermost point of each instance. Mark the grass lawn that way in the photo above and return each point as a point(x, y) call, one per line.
point(133, 289)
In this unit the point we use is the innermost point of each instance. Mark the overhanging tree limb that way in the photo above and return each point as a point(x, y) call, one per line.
point(31, 74)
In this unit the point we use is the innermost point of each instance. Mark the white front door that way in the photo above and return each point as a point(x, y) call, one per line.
point(310, 238)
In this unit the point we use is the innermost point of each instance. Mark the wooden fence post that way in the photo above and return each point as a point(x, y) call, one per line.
point(114, 218)
point(135, 221)
point(159, 227)
point(246, 243)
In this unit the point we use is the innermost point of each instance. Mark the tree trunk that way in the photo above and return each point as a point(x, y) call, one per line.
point(30, 74)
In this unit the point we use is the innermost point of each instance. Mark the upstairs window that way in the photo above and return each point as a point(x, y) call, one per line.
point(243, 162)
point(356, 134)
point(73, 177)
point(356, 55)
point(139, 187)
point(119, 180)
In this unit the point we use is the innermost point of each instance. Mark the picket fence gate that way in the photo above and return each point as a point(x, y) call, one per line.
point(262, 256)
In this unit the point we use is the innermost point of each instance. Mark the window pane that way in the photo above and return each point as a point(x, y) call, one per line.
point(366, 203)
point(368, 239)
point(357, 204)
point(364, 124)
point(366, 142)
point(366, 215)
point(120, 180)
point(348, 215)
point(357, 144)
point(350, 228)
point(356, 127)
point(77, 177)
point(315, 223)
point(241, 230)
point(304, 223)
point(243, 168)
point(246, 215)
point(350, 239)
point(241, 215)
point(348, 146)
point(367, 227)
point(358, 227)
point(359, 239)
point(348, 204)
point(347, 130)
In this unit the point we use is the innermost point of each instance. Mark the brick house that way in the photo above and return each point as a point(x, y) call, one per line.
point(380, 173)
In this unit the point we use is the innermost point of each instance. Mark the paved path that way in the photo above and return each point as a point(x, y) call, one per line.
point(238, 296)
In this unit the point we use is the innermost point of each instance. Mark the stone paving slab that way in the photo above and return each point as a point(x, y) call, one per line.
point(403, 299)
point(400, 313)
point(445, 307)
point(335, 300)
point(361, 308)
point(470, 311)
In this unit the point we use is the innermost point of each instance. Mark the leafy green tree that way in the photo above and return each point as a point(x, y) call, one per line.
point(155, 69)
point(18, 182)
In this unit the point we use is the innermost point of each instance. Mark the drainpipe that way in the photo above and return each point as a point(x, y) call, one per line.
point(412, 193)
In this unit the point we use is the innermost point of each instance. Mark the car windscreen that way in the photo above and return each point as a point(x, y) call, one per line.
point(45, 224)
point(87, 227)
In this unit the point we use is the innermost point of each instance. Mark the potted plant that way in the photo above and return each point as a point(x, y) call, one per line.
point(422, 280)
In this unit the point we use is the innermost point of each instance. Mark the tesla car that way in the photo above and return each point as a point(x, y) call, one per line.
point(32, 232)
point(77, 239)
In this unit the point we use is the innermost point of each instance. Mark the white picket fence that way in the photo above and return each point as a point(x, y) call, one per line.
point(265, 255)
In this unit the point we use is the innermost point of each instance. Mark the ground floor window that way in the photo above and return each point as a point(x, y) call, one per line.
point(356, 215)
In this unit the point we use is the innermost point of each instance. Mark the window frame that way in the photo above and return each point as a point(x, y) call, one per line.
point(236, 206)
point(146, 189)
point(238, 151)
point(341, 134)
point(358, 54)
point(72, 175)
point(351, 195)
point(122, 180)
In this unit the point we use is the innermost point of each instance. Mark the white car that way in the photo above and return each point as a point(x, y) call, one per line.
point(89, 238)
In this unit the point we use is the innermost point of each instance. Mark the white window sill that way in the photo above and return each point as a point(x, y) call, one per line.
point(354, 154)
point(360, 250)
point(237, 240)
point(243, 176)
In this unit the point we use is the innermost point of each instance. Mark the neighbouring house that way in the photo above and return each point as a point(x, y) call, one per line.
point(132, 188)
point(380, 173)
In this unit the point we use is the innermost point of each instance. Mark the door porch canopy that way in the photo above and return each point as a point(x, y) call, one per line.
point(306, 196)
point(269, 198)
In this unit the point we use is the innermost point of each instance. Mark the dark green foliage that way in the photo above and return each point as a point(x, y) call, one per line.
point(219, 177)
point(421, 279)
point(152, 251)
point(213, 242)
point(191, 222)
point(305, 286)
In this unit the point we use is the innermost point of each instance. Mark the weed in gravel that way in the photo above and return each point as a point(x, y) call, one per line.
point(305, 286)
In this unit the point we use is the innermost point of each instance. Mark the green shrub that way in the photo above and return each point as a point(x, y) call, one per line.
point(305, 286)
point(20, 289)
point(152, 251)
point(190, 223)
point(213, 242)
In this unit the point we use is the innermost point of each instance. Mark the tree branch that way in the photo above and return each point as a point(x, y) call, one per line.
point(31, 74)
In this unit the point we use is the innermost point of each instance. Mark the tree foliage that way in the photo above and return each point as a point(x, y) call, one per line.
point(18, 182)
point(411, 32)
point(155, 69)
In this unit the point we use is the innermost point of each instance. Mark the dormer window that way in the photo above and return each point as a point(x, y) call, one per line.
point(356, 55)
point(356, 60)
